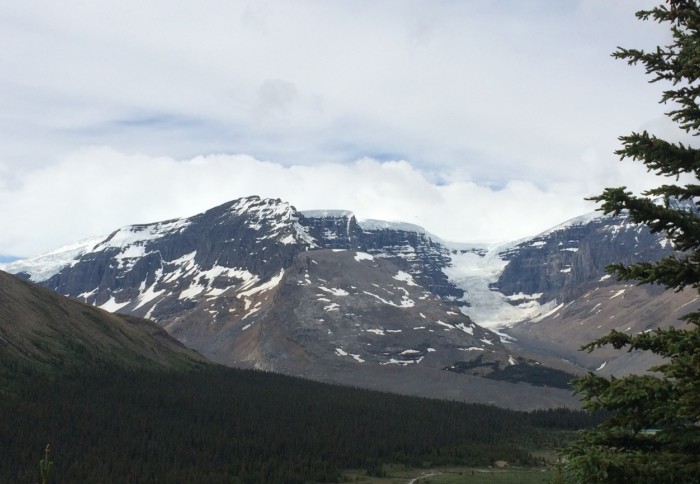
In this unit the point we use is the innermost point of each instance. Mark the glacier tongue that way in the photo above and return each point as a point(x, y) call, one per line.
point(474, 272)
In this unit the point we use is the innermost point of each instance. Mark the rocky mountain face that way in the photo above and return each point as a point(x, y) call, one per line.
point(551, 293)
point(407, 246)
point(360, 308)
point(557, 264)
point(255, 283)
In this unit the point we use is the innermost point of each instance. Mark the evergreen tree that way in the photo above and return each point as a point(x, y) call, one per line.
point(653, 434)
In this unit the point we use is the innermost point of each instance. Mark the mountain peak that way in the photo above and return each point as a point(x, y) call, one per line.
point(228, 282)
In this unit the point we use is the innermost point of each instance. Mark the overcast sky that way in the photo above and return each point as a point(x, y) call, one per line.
point(479, 120)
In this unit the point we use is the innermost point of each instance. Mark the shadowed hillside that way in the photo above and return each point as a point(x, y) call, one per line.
point(41, 328)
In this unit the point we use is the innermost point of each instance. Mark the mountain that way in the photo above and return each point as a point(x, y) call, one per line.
point(550, 293)
point(256, 283)
point(43, 329)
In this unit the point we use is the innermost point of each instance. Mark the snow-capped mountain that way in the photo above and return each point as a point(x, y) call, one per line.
point(256, 283)
point(527, 279)
point(551, 294)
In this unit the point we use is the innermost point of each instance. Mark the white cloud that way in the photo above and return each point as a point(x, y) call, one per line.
point(448, 83)
point(505, 111)
point(96, 190)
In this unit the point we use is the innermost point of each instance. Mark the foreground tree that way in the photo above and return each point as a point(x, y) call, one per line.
point(653, 434)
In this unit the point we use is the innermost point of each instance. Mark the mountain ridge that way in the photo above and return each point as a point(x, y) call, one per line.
point(228, 282)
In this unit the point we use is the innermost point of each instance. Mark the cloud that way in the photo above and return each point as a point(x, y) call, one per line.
point(96, 190)
point(506, 114)
point(275, 95)
point(505, 88)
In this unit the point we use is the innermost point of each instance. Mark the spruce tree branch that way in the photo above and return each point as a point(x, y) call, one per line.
point(660, 156)
point(671, 272)
point(681, 227)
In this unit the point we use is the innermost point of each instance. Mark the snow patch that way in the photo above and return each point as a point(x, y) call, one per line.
point(149, 294)
point(112, 305)
point(360, 256)
point(288, 240)
point(465, 328)
point(327, 213)
point(252, 310)
point(374, 225)
point(271, 284)
point(149, 314)
point(86, 295)
point(192, 291)
point(618, 293)
point(595, 307)
point(334, 291)
point(342, 352)
point(406, 302)
point(551, 309)
point(405, 277)
point(394, 361)
point(524, 297)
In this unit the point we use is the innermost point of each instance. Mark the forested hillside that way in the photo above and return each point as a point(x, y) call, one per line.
point(118, 400)
point(224, 425)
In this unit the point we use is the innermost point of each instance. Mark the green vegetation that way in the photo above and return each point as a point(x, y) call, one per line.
point(456, 475)
point(64, 336)
point(653, 434)
point(531, 373)
point(490, 476)
point(46, 466)
point(224, 425)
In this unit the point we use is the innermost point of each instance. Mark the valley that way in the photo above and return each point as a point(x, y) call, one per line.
point(118, 399)
point(291, 347)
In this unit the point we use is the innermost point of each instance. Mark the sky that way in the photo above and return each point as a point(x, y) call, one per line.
point(482, 121)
